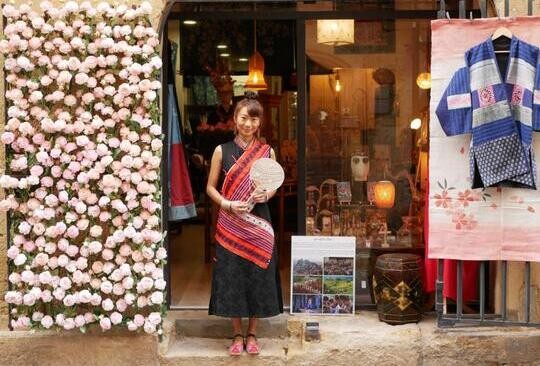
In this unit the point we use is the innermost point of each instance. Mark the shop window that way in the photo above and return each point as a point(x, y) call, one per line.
point(366, 140)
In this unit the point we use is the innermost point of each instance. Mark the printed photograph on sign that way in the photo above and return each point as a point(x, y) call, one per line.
point(338, 284)
point(338, 266)
point(337, 304)
point(307, 284)
point(306, 304)
point(305, 266)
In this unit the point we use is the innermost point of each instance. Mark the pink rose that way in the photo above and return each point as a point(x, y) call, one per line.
point(60, 319)
point(157, 297)
point(121, 305)
point(154, 318)
point(107, 305)
point(118, 289)
point(79, 321)
point(65, 283)
point(41, 259)
point(149, 328)
point(72, 231)
point(69, 300)
point(69, 324)
point(107, 254)
point(85, 296)
point(29, 299)
point(47, 321)
point(105, 323)
point(20, 259)
point(138, 319)
point(96, 299)
point(106, 287)
point(116, 318)
point(46, 296)
point(72, 250)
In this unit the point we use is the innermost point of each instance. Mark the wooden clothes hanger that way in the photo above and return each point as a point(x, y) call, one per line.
point(499, 33)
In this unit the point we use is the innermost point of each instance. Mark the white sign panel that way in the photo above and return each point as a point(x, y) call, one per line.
point(322, 274)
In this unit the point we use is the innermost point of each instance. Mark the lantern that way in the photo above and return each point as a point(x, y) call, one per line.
point(424, 80)
point(385, 193)
point(255, 80)
point(335, 32)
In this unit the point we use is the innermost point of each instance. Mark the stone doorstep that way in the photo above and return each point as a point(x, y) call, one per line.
point(350, 340)
point(197, 325)
point(209, 351)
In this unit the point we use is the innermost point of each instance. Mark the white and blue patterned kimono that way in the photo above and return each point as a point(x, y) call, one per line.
point(499, 113)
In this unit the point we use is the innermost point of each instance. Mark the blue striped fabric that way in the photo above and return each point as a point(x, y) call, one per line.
point(501, 113)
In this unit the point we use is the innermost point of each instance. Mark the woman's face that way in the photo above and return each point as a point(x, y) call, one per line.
point(245, 125)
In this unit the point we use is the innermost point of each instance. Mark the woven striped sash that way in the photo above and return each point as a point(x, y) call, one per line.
point(246, 235)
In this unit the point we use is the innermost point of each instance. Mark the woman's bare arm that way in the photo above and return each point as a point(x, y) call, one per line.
point(213, 176)
point(211, 186)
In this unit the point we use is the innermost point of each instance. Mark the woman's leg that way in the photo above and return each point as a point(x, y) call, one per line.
point(252, 346)
point(252, 326)
point(237, 345)
point(237, 325)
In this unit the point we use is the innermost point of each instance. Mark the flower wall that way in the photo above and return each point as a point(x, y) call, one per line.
point(83, 154)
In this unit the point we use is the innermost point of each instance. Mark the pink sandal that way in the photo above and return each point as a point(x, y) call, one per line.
point(252, 348)
point(236, 348)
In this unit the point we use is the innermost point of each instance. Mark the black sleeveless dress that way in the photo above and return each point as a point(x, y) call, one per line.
point(240, 288)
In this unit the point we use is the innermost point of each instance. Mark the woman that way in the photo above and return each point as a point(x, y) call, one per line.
point(245, 279)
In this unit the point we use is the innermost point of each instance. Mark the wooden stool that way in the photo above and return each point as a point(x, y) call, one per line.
point(397, 284)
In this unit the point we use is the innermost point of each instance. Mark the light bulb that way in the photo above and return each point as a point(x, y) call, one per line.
point(416, 123)
point(338, 86)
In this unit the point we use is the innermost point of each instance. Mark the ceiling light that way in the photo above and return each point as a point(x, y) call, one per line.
point(190, 22)
point(221, 46)
point(335, 32)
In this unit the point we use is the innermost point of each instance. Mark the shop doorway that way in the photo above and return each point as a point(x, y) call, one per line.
point(208, 62)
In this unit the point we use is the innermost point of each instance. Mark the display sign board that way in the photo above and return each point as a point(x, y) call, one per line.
point(323, 274)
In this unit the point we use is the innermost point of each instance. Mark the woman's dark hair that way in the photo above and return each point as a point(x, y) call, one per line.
point(254, 107)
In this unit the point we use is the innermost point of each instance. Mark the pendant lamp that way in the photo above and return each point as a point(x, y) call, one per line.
point(255, 80)
point(335, 32)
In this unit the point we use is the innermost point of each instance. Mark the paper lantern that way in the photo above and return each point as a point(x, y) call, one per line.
point(255, 80)
point(335, 32)
point(424, 80)
point(385, 193)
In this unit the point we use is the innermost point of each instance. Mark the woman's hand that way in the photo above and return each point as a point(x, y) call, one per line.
point(260, 196)
point(239, 207)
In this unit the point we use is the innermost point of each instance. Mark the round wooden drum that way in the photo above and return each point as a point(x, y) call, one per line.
point(397, 286)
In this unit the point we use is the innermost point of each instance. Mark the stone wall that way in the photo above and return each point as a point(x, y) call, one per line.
point(517, 7)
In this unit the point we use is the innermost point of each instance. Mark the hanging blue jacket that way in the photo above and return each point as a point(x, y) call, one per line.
point(499, 113)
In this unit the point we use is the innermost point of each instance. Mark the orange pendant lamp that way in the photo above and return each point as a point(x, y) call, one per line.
point(255, 80)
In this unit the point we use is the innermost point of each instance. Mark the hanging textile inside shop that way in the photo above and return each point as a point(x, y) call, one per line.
point(181, 202)
point(481, 128)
